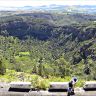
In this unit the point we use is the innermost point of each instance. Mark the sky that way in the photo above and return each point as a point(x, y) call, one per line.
point(20, 3)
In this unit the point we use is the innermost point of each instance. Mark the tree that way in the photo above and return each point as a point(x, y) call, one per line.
point(40, 67)
point(2, 68)
point(64, 67)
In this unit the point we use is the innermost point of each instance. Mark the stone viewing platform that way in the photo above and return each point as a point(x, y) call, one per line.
point(20, 86)
point(23, 89)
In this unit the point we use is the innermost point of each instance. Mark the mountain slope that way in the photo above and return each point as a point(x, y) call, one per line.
point(43, 27)
point(43, 35)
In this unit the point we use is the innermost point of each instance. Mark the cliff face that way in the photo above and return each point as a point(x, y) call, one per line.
point(21, 29)
point(44, 30)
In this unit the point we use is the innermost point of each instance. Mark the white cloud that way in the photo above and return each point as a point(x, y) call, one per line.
point(18, 3)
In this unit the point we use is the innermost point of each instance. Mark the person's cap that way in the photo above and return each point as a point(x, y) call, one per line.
point(75, 79)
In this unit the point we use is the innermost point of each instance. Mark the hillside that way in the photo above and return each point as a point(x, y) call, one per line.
point(49, 44)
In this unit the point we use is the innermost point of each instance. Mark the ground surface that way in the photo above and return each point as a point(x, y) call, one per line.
point(78, 92)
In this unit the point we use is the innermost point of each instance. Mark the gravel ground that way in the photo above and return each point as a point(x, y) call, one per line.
point(45, 93)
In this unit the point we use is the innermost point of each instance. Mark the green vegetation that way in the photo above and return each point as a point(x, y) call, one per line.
point(48, 48)
point(36, 80)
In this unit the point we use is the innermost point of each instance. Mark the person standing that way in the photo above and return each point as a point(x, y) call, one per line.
point(72, 86)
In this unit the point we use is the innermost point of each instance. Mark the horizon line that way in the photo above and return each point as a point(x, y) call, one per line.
point(21, 3)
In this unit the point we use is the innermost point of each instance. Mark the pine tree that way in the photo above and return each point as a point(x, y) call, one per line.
point(2, 68)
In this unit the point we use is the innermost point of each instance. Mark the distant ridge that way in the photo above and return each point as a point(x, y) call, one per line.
point(91, 9)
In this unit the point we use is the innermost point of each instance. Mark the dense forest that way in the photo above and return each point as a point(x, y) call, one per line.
point(49, 44)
